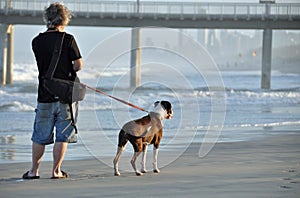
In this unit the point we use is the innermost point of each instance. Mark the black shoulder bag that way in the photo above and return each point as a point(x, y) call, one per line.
point(66, 91)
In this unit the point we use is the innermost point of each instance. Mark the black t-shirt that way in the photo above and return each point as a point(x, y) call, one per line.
point(43, 46)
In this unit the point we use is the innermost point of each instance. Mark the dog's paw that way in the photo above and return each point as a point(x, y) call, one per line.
point(156, 170)
point(138, 173)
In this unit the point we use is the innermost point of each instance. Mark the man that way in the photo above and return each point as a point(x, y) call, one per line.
point(50, 112)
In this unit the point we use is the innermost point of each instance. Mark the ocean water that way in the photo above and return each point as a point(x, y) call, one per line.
point(233, 109)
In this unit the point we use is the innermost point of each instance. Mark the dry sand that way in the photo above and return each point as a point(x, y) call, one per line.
point(265, 168)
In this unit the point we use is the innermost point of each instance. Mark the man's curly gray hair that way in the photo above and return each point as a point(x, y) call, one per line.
point(57, 14)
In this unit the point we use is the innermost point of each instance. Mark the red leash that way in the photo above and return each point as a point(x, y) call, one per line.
point(118, 99)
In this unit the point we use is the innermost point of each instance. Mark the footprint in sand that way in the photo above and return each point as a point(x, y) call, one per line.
point(287, 179)
point(286, 187)
point(290, 179)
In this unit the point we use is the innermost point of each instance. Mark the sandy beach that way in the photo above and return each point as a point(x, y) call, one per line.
point(269, 167)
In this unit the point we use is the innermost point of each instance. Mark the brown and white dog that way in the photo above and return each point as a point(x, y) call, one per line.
point(141, 133)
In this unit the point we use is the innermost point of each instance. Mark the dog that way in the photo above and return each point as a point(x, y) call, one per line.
point(141, 133)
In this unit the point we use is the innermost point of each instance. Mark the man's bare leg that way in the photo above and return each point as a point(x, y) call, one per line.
point(59, 151)
point(37, 154)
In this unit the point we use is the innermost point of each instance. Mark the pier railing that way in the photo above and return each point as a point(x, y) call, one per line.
point(130, 9)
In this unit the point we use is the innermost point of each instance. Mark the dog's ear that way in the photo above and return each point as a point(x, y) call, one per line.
point(166, 105)
point(156, 103)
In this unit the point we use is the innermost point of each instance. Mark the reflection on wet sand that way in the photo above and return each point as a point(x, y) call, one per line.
point(7, 153)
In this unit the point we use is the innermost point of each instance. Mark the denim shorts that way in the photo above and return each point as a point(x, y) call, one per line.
point(50, 115)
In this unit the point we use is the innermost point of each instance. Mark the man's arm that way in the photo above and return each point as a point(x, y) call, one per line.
point(78, 64)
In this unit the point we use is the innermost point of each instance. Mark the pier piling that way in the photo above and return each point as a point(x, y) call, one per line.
point(6, 54)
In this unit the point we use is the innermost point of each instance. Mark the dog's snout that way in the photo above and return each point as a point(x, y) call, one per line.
point(170, 114)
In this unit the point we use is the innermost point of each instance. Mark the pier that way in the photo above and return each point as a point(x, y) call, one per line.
point(266, 16)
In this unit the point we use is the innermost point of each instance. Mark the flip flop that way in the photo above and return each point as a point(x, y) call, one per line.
point(26, 176)
point(64, 176)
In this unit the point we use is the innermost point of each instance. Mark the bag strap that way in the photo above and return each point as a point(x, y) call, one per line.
point(55, 57)
point(72, 119)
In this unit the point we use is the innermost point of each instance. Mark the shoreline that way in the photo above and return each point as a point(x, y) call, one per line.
point(17, 148)
point(269, 167)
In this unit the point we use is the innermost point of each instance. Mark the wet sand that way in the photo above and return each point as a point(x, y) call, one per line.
point(269, 167)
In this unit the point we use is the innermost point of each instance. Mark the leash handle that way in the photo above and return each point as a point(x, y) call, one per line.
point(115, 98)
